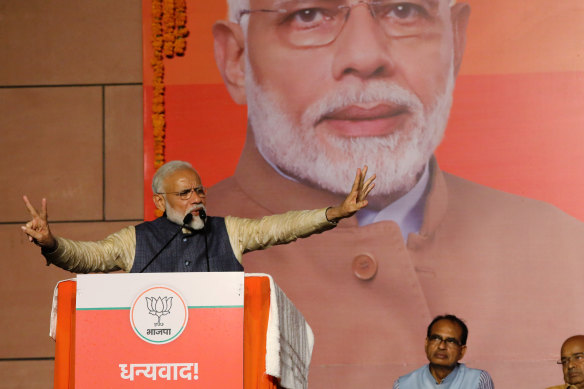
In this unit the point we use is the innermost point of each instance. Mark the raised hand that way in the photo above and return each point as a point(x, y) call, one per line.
point(37, 229)
point(356, 199)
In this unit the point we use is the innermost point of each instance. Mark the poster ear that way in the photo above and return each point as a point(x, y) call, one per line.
point(460, 14)
point(229, 45)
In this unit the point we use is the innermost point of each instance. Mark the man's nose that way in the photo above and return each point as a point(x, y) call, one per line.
point(195, 198)
point(362, 47)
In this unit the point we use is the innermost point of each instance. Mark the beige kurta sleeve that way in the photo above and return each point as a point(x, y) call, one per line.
point(115, 252)
point(257, 234)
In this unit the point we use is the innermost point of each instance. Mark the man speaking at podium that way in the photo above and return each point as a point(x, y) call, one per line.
point(205, 244)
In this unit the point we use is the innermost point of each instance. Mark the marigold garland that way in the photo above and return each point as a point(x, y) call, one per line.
point(168, 27)
point(180, 30)
point(169, 32)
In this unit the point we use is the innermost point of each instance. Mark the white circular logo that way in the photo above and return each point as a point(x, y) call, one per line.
point(159, 315)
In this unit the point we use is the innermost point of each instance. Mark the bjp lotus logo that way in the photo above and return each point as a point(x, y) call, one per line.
point(160, 301)
point(159, 307)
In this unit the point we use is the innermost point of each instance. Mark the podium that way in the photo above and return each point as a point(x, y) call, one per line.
point(201, 330)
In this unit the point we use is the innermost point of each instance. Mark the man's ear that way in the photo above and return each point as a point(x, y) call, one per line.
point(229, 44)
point(462, 351)
point(159, 202)
point(460, 14)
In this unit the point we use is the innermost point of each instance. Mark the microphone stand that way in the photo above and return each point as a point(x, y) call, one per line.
point(203, 216)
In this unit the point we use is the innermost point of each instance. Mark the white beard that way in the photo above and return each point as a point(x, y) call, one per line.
point(177, 218)
point(329, 162)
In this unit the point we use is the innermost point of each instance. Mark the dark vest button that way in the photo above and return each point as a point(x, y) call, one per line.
point(364, 267)
point(187, 263)
point(184, 239)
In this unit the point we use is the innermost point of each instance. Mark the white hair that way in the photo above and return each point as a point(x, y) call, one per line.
point(329, 162)
point(177, 217)
point(234, 7)
point(164, 171)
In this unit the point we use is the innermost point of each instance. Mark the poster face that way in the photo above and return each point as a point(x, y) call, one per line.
point(489, 92)
point(514, 125)
point(159, 330)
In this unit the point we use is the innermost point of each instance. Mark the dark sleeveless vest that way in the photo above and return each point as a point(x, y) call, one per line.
point(186, 252)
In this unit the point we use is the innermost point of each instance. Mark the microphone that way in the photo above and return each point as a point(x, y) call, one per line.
point(202, 215)
point(186, 221)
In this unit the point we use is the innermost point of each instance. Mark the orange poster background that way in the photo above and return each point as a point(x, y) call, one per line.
point(516, 122)
point(212, 338)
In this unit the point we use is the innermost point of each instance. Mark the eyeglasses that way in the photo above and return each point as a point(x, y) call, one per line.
point(314, 23)
point(450, 342)
point(186, 194)
point(577, 358)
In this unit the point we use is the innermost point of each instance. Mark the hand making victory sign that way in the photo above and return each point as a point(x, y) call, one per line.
point(37, 229)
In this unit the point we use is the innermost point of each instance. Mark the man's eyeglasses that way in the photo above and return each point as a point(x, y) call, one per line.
point(450, 342)
point(316, 23)
point(186, 194)
point(577, 358)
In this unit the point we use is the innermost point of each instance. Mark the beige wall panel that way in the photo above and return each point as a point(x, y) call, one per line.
point(124, 159)
point(70, 42)
point(26, 287)
point(26, 374)
point(53, 142)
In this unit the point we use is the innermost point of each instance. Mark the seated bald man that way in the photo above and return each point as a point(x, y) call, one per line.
point(572, 361)
point(445, 346)
point(203, 244)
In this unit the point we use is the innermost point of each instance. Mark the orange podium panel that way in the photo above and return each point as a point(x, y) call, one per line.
point(72, 349)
